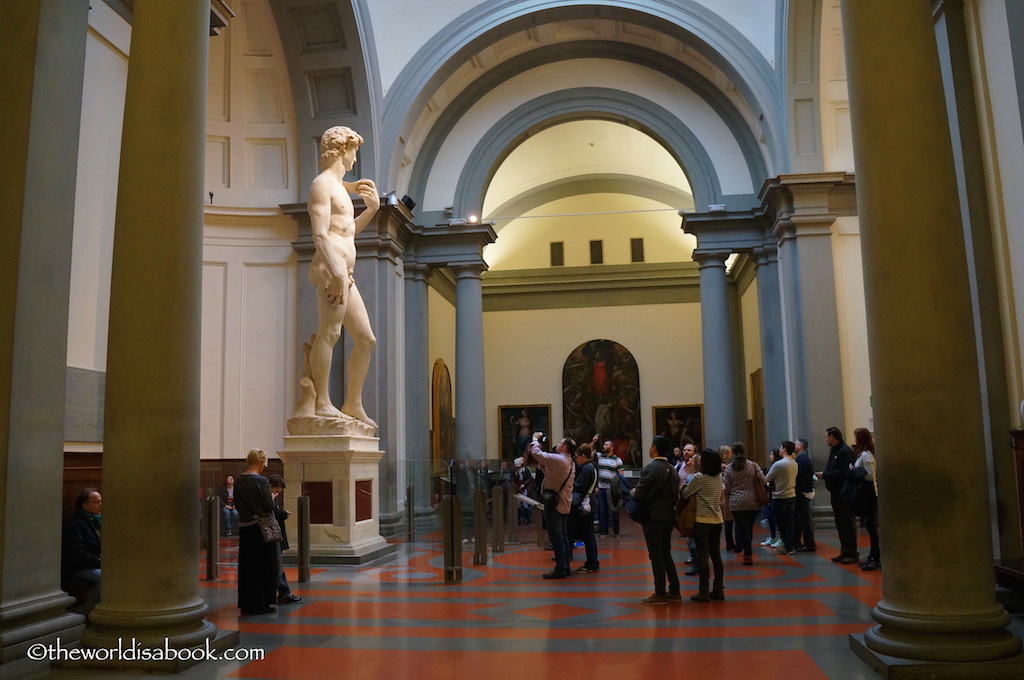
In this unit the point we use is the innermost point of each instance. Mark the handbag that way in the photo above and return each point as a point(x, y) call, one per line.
point(270, 530)
point(549, 497)
point(686, 516)
point(761, 490)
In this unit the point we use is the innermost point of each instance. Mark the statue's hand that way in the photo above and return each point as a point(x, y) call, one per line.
point(367, 190)
point(335, 289)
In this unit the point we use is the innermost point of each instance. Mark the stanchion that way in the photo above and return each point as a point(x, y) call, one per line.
point(451, 529)
point(512, 513)
point(480, 528)
point(498, 503)
point(212, 538)
point(410, 511)
point(303, 540)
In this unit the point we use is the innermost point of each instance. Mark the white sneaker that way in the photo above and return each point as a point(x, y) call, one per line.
point(768, 541)
point(777, 544)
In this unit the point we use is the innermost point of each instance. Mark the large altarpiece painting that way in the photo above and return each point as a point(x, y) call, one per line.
point(601, 395)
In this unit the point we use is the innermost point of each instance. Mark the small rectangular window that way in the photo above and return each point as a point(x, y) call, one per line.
point(636, 249)
point(557, 254)
point(597, 252)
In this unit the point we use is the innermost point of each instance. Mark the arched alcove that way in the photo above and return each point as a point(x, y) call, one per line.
point(601, 396)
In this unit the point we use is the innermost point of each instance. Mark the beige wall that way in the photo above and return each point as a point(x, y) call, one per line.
point(106, 74)
point(526, 351)
point(1003, 149)
point(852, 320)
point(442, 332)
point(750, 314)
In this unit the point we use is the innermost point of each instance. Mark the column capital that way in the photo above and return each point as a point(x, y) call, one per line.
point(765, 254)
point(798, 226)
point(711, 258)
point(415, 271)
point(468, 270)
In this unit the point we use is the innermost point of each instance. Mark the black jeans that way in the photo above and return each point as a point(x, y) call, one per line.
point(559, 536)
point(708, 538)
point(745, 529)
point(805, 521)
point(870, 517)
point(581, 528)
point(845, 526)
point(658, 536)
point(784, 511)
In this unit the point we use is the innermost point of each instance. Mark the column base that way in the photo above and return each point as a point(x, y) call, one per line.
point(163, 659)
point(392, 524)
point(179, 628)
point(44, 621)
point(893, 668)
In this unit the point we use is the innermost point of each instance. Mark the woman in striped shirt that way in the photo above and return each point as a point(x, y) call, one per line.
point(707, 487)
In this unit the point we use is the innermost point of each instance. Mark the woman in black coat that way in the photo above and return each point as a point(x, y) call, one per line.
point(258, 561)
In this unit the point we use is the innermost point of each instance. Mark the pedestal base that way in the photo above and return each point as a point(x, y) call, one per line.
point(343, 555)
point(893, 668)
point(341, 476)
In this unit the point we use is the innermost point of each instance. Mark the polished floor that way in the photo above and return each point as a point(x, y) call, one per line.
point(784, 618)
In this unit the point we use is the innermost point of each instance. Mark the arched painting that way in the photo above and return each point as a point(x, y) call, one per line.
point(601, 395)
point(442, 425)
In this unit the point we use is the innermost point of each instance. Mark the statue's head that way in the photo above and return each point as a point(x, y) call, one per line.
point(335, 142)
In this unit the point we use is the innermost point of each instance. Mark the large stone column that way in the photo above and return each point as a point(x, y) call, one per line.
point(773, 361)
point(380, 249)
point(938, 603)
point(151, 417)
point(470, 406)
point(417, 384)
point(42, 47)
point(720, 416)
point(804, 213)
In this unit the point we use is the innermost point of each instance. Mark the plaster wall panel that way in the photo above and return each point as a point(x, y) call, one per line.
point(218, 162)
point(106, 73)
point(264, 355)
point(267, 163)
point(211, 425)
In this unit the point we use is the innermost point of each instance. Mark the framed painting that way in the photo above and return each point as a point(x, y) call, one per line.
point(517, 425)
point(682, 424)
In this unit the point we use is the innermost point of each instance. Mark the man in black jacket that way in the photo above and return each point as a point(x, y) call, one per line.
point(581, 516)
point(804, 498)
point(656, 492)
point(840, 458)
point(284, 591)
point(80, 549)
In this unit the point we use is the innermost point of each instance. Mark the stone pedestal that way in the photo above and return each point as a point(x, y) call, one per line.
point(341, 476)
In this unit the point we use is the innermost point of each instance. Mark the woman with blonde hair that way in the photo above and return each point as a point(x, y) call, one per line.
point(258, 561)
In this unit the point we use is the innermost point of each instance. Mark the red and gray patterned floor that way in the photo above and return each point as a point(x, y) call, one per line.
point(785, 617)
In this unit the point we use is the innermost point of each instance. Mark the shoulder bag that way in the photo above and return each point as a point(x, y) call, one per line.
point(686, 515)
point(270, 530)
